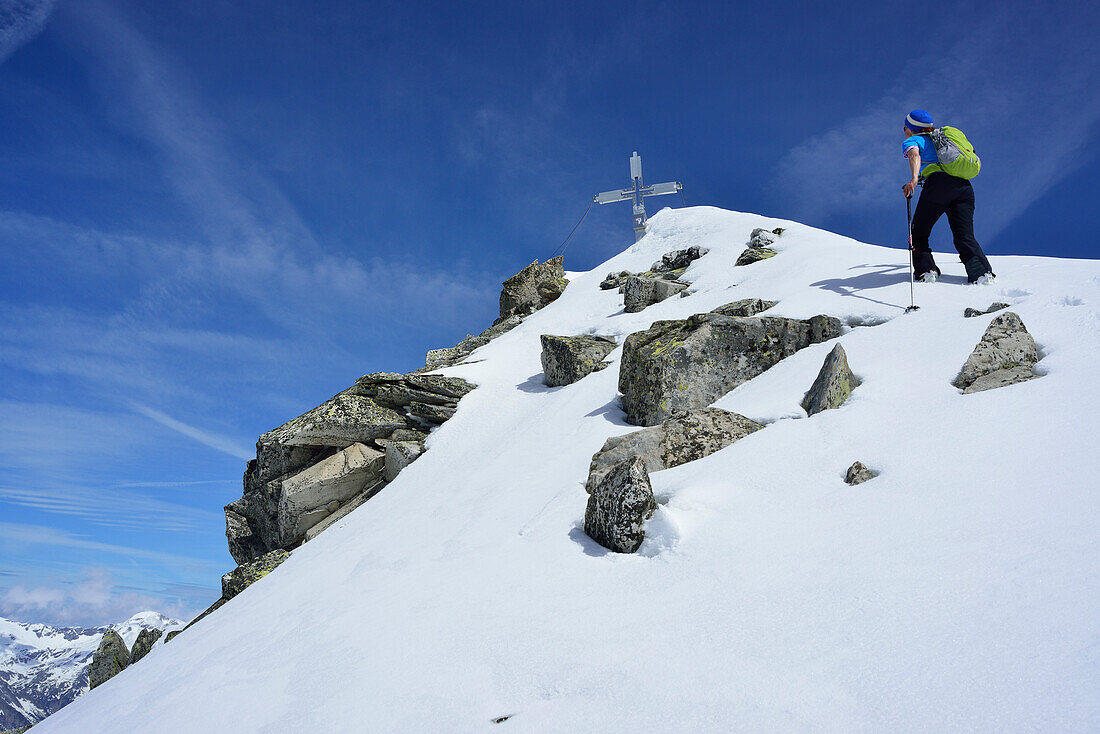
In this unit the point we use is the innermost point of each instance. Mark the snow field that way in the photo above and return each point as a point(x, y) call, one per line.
point(955, 592)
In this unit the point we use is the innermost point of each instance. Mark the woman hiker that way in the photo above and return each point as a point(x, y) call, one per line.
point(941, 193)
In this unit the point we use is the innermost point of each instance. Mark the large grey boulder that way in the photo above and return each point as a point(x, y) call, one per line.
point(641, 292)
point(682, 438)
point(1004, 356)
point(682, 365)
point(679, 259)
point(532, 288)
point(566, 359)
point(110, 658)
point(144, 643)
point(745, 307)
point(619, 505)
point(314, 493)
point(249, 573)
point(615, 280)
point(835, 382)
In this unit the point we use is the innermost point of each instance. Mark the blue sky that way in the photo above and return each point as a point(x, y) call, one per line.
point(213, 216)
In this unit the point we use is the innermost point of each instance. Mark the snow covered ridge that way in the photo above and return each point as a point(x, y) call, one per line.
point(42, 668)
point(954, 591)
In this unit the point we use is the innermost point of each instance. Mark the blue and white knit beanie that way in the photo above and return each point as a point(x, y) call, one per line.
point(918, 120)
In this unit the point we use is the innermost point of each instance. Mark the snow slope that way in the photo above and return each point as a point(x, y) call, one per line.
point(42, 668)
point(955, 592)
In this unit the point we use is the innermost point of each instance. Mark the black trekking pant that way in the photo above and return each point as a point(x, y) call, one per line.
point(955, 197)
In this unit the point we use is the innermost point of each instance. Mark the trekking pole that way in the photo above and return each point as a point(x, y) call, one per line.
point(909, 216)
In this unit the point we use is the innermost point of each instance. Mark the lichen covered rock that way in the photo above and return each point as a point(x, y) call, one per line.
point(144, 643)
point(682, 438)
point(619, 505)
point(679, 259)
point(110, 658)
point(249, 573)
point(532, 288)
point(683, 365)
point(745, 307)
point(835, 382)
point(641, 292)
point(566, 359)
point(1005, 355)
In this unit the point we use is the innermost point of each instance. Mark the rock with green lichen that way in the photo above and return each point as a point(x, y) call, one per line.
point(144, 643)
point(532, 288)
point(566, 359)
point(687, 364)
point(751, 255)
point(1005, 356)
point(745, 307)
point(835, 382)
point(641, 292)
point(679, 259)
point(249, 573)
point(682, 438)
point(110, 658)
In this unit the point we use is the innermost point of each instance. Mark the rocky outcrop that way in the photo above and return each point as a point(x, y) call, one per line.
point(759, 246)
point(619, 505)
point(448, 356)
point(835, 382)
point(249, 573)
point(316, 492)
point(641, 292)
point(858, 474)
point(1005, 355)
point(615, 280)
point(111, 658)
point(745, 307)
point(144, 643)
point(566, 359)
point(687, 364)
point(521, 295)
point(993, 308)
point(312, 468)
point(679, 259)
point(668, 269)
point(532, 288)
point(682, 438)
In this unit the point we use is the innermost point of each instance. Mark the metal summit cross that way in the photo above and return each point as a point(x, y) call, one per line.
point(638, 192)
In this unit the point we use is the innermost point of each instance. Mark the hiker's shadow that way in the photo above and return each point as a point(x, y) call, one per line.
point(880, 276)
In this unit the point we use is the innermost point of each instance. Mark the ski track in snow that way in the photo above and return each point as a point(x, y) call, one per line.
point(955, 592)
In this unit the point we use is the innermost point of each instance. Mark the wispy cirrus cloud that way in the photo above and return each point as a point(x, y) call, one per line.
point(1020, 81)
point(20, 21)
point(217, 442)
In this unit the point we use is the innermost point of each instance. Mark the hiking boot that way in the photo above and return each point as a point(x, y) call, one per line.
point(929, 277)
point(985, 279)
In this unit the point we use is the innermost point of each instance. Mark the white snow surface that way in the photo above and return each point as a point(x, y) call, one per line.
point(957, 591)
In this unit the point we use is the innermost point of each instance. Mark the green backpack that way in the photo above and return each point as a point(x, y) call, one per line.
point(956, 154)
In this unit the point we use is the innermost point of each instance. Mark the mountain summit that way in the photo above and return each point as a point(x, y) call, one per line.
point(949, 587)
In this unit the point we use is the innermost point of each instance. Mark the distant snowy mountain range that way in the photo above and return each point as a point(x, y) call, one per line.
point(42, 668)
